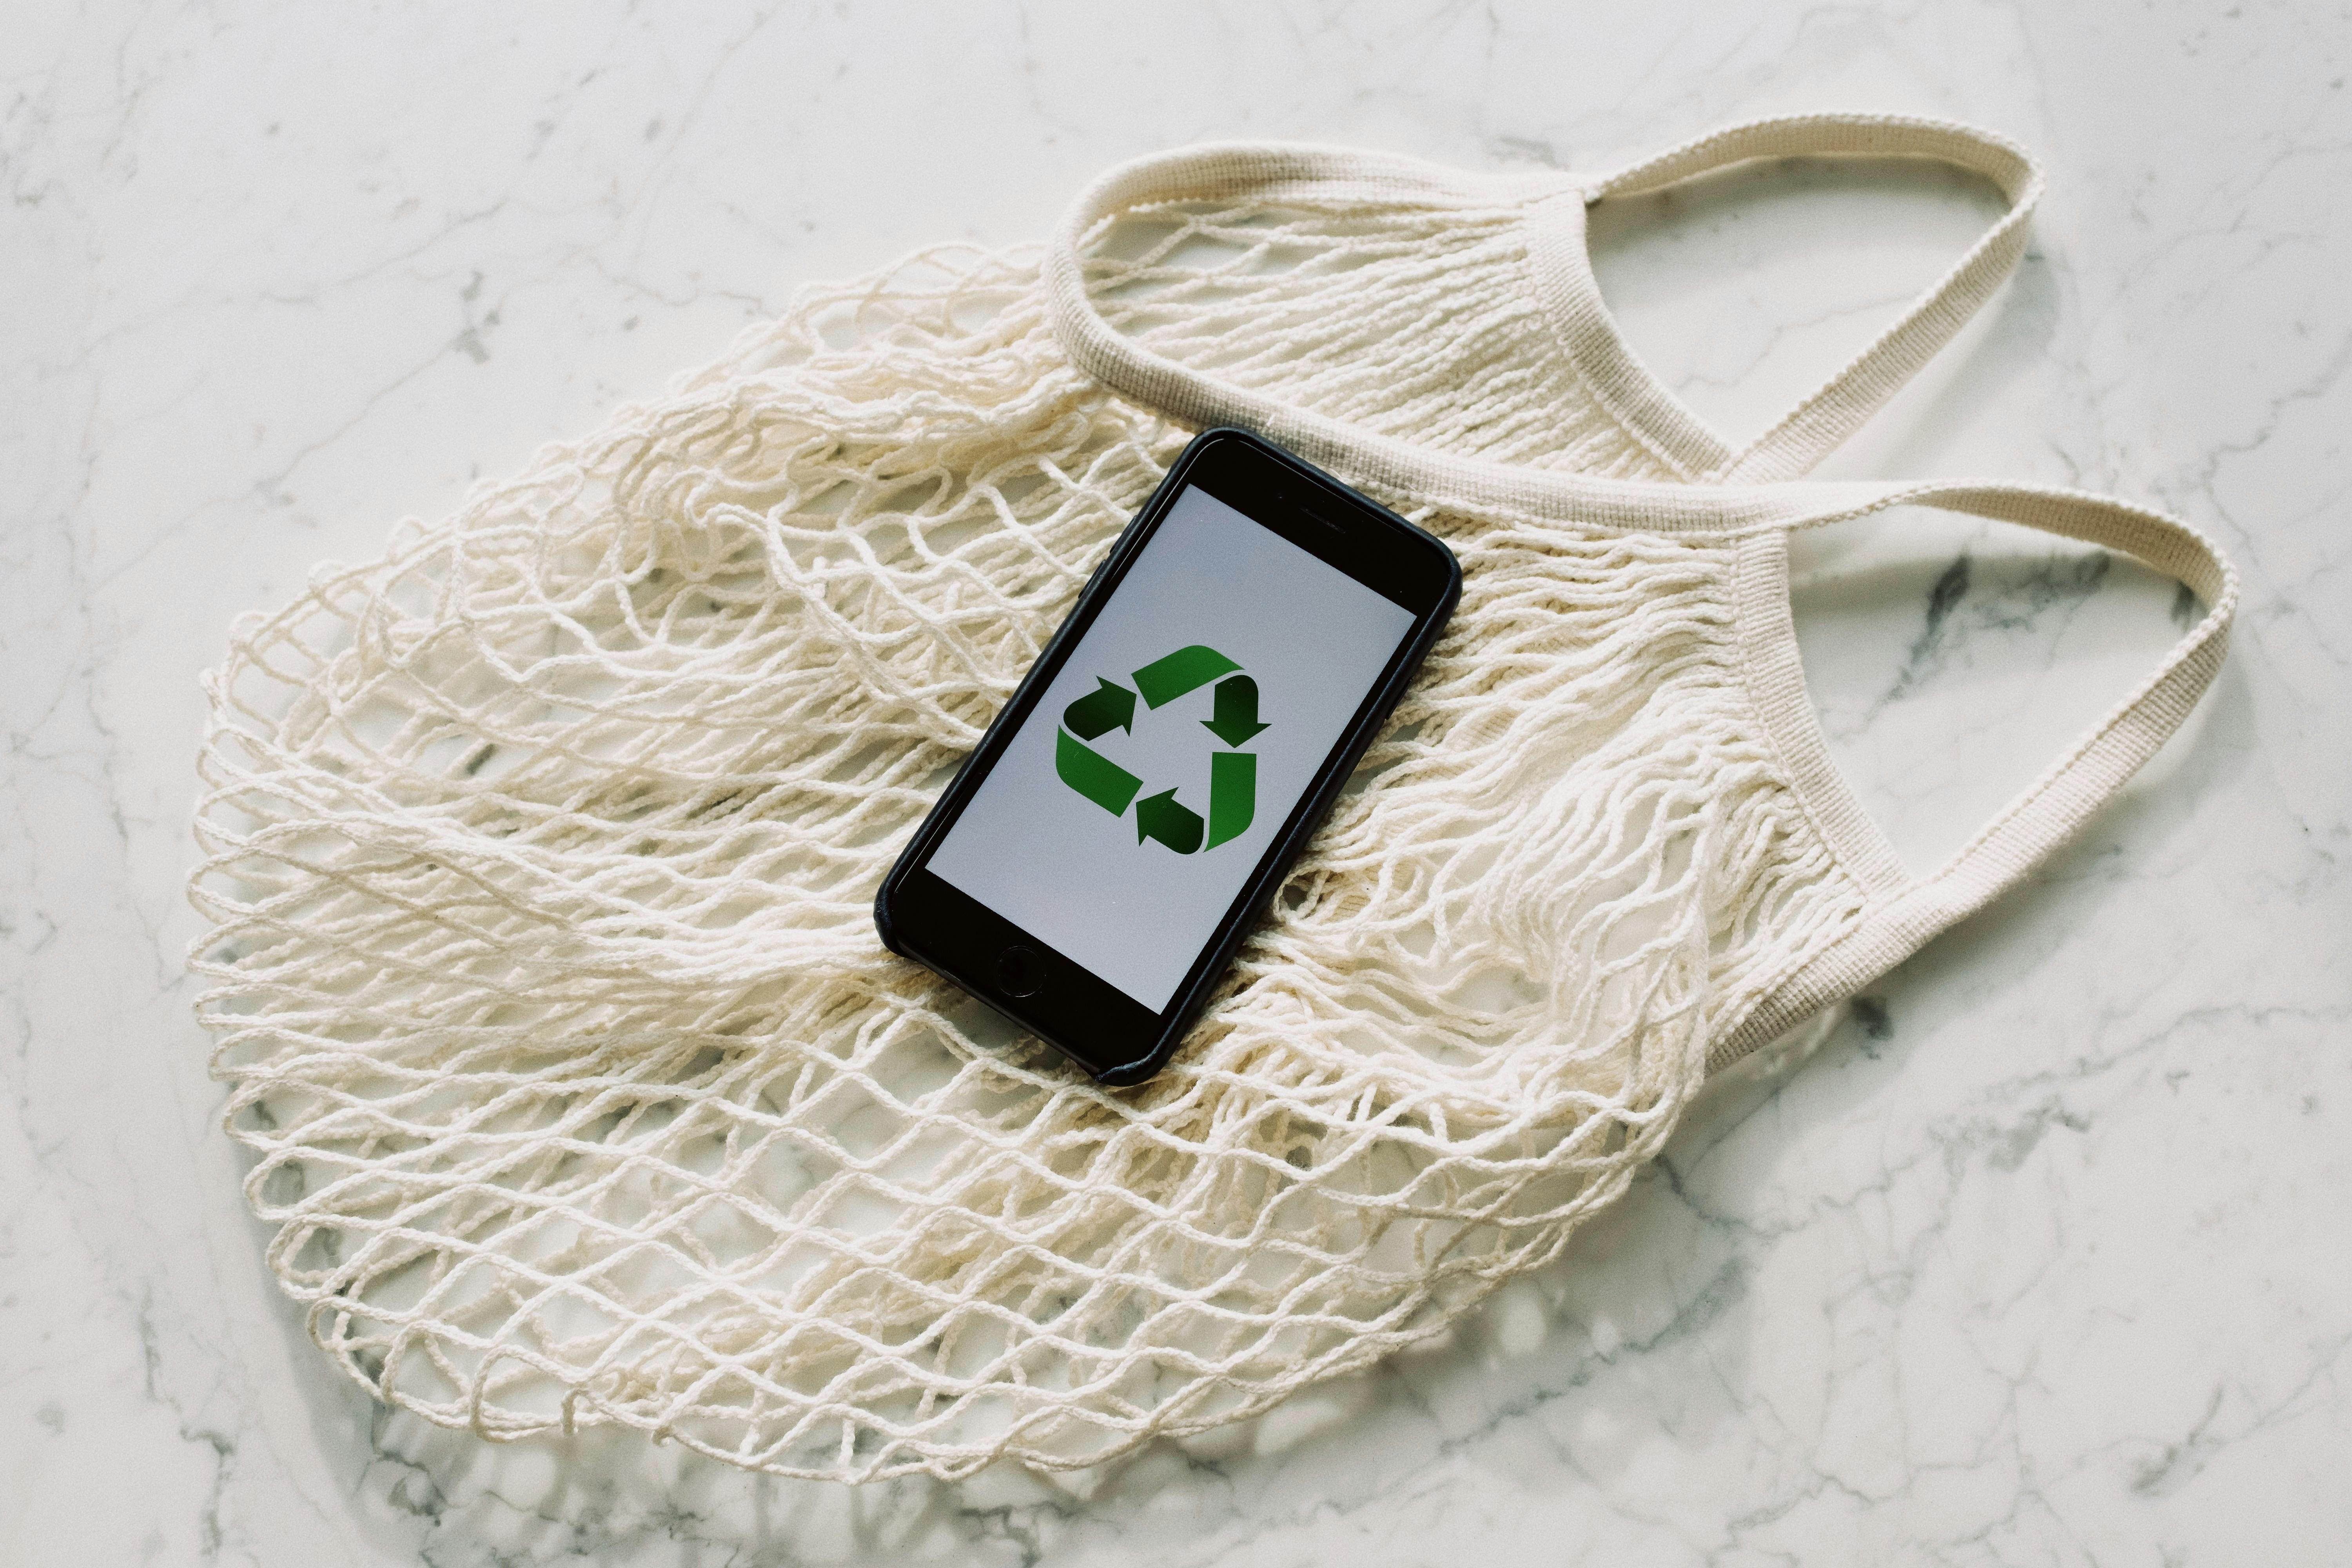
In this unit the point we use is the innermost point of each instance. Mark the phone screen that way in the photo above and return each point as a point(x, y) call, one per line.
point(1127, 813)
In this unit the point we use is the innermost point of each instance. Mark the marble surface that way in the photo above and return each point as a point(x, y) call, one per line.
point(2039, 1256)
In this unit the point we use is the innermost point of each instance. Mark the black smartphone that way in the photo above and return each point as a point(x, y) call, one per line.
point(1105, 847)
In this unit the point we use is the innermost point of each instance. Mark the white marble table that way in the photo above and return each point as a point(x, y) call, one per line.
point(2041, 1257)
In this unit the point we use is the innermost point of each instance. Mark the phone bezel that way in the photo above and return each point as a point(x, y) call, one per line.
point(1115, 1038)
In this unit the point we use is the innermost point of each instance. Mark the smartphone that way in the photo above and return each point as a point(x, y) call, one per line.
point(1104, 850)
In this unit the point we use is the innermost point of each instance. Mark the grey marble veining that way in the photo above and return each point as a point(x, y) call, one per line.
point(2035, 1254)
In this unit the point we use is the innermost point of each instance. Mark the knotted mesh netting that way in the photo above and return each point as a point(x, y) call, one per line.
point(540, 856)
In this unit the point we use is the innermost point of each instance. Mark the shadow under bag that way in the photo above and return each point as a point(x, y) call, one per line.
point(539, 853)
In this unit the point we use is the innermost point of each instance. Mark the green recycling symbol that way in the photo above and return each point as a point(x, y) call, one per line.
point(1233, 774)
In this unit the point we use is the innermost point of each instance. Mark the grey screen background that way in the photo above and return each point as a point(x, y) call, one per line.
point(1062, 867)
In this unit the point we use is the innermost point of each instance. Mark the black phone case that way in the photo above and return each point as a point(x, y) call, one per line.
point(1184, 1009)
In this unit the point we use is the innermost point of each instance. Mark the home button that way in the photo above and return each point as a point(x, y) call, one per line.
point(1019, 971)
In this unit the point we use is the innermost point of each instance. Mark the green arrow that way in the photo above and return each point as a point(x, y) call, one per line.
point(1233, 792)
point(1236, 718)
point(1159, 816)
point(1096, 776)
point(1109, 706)
point(1187, 669)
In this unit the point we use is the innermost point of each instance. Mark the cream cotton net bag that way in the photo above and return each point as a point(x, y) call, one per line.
point(539, 853)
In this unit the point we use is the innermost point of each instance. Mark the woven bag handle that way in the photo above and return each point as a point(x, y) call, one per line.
point(1840, 404)
point(2053, 806)
point(1280, 172)
point(1406, 474)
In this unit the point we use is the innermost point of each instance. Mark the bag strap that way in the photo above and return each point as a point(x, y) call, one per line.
point(1280, 172)
point(2054, 806)
point(1409, 476)
point(1840, 404)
